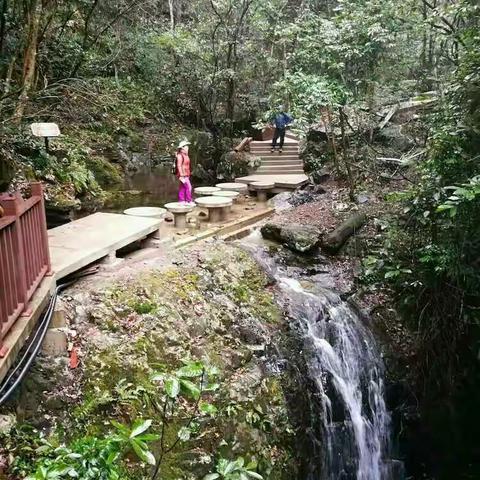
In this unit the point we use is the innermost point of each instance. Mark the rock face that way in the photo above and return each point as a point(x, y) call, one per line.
point(296, 237)
point(393, 136)
point(211, 305)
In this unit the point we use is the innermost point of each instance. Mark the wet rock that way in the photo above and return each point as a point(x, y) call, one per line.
point(281, 201)
point(296, 237)
point(362, 198)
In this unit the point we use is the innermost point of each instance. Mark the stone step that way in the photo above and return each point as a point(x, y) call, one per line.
point(275, 156)
point(281, 166)
point(286, 172)
point(257, 151)
point(267, 144)
point(271, 161)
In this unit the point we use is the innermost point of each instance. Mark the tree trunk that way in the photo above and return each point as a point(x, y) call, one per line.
point(172, 15)
point(29, 58)
point(335, 240)
point(329, 132)
point(346, 161)
point(3, 25)
point(8, 77)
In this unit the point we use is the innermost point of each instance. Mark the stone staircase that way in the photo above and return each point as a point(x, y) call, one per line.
point(286, 163)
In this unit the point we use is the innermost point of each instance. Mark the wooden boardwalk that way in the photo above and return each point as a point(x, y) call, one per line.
point(79, 243)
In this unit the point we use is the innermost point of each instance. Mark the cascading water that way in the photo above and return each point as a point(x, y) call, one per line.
point(347, 371)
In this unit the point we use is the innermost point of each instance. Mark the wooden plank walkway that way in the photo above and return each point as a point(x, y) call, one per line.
point(79, 243)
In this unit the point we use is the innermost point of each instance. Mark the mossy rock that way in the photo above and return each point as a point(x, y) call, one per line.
point(218, 311)
point(106, 174)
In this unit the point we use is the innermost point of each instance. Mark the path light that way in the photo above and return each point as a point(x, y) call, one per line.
point(46, 131)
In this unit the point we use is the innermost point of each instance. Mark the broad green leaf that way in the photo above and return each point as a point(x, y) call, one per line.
point(190, 389)
point(254, 475)
point(208, 408)
point(149, 437)
point(139, 427)
point(192, 370)
point(121, 428)
point(212, 387)
point(391, 274)
point(211, 476)
point(144, 455)
point(172, 387)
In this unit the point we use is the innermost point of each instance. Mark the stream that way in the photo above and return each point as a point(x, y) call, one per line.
point(152, 186)
point(344, 368)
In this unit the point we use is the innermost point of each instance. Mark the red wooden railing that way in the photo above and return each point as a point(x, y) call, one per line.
point(24, 254)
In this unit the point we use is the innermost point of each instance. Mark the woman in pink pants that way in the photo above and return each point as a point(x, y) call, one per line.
point(183, 173)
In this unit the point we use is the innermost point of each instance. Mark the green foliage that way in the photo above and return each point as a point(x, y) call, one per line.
point(308, 95)
point(432, 259)
point(182, 382)
point(234, 470)
point(94, 458)
point(144, 307)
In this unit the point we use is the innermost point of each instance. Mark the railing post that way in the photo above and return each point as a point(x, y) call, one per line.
point(11, 207)
point(37, 190)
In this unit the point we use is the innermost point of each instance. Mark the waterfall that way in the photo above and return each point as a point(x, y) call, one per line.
point(347, 370)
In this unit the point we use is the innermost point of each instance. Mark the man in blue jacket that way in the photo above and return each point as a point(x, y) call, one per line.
point(280, 121)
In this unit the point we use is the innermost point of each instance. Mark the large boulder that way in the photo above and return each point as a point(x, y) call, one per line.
point(236, 164)
point(393, 136)
point(296, 237)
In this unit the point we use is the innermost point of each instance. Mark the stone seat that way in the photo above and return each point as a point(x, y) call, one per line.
point(152, 212)
point(205, 191)
point(179, 211)
point(228, 194)
point(218, 207)
point(262, 188)
point(233, 187)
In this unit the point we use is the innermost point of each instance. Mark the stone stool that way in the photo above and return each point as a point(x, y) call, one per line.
point(262, 188)
point(151, 212)
point(205, 191)
point(235, 187)
point(217, 207)
point(179, 211)
point(227, 194)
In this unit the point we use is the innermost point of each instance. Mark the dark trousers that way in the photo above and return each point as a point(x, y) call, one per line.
point(279, 134)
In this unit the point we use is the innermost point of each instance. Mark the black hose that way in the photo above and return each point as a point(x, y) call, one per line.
point(23, 365)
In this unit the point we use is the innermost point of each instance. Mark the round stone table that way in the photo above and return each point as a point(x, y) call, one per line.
point(262, 188)
point(217, 207)
point(179, 211)
point(205, 191)
point(233, 187)
point(153, 212)
point(227, 194)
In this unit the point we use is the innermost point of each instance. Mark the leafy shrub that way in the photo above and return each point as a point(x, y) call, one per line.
point(93, 458)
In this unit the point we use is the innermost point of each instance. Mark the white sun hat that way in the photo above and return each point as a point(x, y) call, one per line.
point(182, 144)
